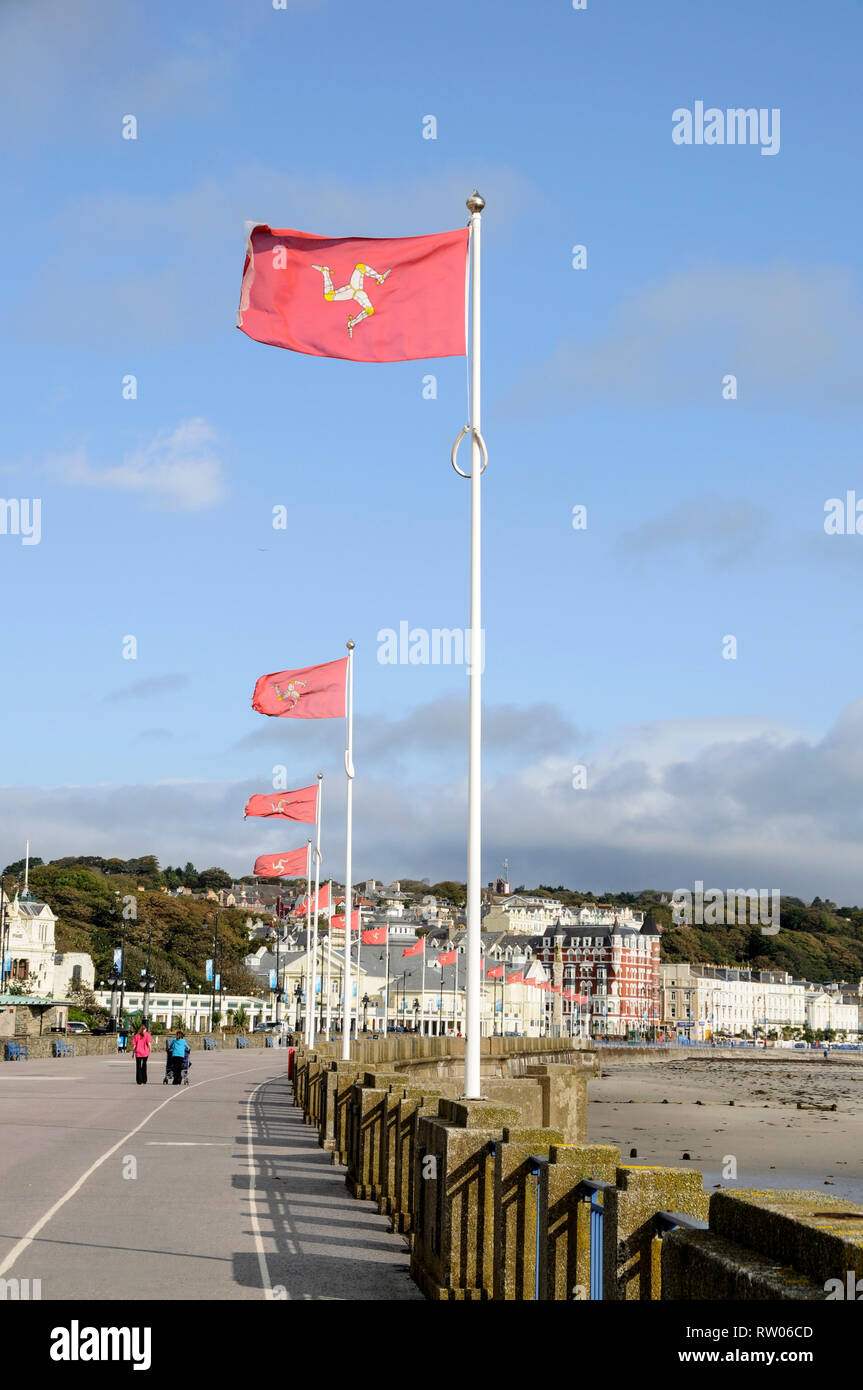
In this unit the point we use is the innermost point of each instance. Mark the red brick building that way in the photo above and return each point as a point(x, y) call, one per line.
point(615, 969)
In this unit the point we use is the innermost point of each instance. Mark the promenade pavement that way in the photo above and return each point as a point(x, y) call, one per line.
point(217, 1190)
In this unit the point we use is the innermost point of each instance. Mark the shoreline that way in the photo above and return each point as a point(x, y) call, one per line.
point(737, 1117)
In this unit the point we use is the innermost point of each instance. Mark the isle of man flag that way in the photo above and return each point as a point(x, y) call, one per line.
point(291, 865)
point(380, 300)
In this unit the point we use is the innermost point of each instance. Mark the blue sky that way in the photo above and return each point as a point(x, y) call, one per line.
point(602, 387)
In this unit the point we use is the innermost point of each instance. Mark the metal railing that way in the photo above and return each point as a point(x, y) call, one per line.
point(537, 1164)
point(594, 1188)
point(669, 1220)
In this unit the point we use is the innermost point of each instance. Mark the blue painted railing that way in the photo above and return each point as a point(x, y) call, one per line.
point(594, 1189)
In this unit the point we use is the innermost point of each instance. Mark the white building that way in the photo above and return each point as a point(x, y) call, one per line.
point(706, 1000)
point(30, 955)
point(190, 1011)
point(73, 970)
point(825, 1008)
point(532, 916)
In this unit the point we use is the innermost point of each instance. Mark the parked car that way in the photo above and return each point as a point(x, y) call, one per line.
point(268, 1028)
point(75, 1026)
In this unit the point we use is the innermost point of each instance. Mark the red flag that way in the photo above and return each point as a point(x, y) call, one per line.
point(323, 901)
point(380, 300)
point(289, 865)
point(555, 989)
point(543, 984)
point(375, 936)
point(447, 958)
point(497, 973)
point(516, 979)
point(311, 692)
point(300, 805)
point(416, 950)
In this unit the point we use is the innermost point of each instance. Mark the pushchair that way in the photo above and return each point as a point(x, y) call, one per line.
point(168, 1078)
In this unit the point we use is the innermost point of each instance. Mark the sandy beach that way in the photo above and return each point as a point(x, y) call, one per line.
point(775, 1144)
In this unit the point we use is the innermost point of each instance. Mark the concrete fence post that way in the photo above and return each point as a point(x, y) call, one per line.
point(565, 1236)
point(768, 1245)
point(631, 1244)
point(518, 1212)
point(370, 1105)
point(452, 1254)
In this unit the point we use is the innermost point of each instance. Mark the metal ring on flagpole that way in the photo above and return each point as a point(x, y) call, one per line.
point(483, 450)
point(349, 766)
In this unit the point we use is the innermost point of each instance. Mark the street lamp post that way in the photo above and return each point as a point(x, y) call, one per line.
point(113, 981)
point(215, 969)
point(122, 960)
point(148, 982)
point(147, 978)
point(278, 976)
point(3, 927)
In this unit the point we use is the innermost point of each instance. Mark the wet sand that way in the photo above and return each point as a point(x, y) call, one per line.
point(774, 1143)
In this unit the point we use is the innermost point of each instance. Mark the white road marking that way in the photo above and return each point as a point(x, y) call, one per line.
point(187, 1143)
point(34, 1230)
point(256, 1229)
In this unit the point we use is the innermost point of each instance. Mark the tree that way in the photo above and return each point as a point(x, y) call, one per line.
point(17, 869)
point(214, 878)
point(81, 994)
point(455, 892)
point(241, 1019)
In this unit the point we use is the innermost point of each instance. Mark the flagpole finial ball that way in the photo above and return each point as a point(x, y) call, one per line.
point(350, 646)
point(476, 202)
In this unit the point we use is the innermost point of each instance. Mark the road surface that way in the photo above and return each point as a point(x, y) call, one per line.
point(217, 1190)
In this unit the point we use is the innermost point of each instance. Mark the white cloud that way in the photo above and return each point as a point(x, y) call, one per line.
point(788, 333)
point(178, 469)
point(169, 266)
point(78, 69)
point(735, 802)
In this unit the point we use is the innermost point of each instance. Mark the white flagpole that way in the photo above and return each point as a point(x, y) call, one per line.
point(317, 888)
point(472, 1086)
point(309, 1005)
point(387, 986)
point(359, 955)
point(329, 959)
point(423, 995)
point(349, 774)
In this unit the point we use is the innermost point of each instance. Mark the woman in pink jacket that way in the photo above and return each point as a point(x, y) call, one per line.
point(141, 1044)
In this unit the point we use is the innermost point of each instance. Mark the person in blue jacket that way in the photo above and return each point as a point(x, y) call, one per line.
point(179, 1049)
